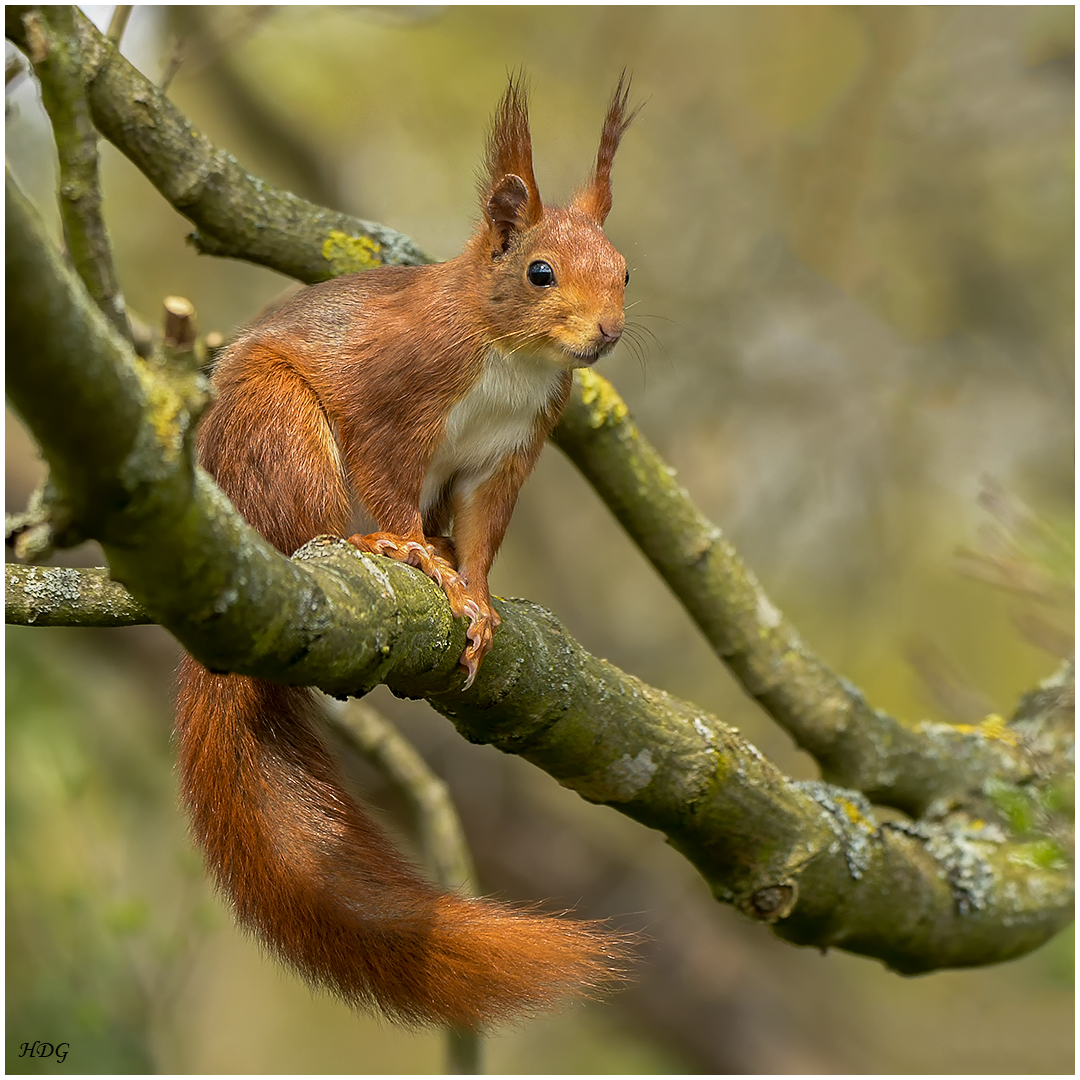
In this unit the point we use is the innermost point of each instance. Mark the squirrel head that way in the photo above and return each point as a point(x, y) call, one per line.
point(552, 282)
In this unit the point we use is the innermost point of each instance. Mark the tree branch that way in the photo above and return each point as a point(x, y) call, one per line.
point(446, 852)
point(236, 215)
point(59, 68)
point(894, 763)
point(118, 23)
point(60, 596)
point(810, 858)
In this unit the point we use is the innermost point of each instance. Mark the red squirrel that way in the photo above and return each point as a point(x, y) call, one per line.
point(424, 393)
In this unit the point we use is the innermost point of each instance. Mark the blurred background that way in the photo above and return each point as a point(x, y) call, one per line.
point(850, 233)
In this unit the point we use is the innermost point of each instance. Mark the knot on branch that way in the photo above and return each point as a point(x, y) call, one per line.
point(771, 902)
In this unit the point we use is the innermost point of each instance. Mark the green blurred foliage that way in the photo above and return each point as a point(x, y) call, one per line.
point(850, 233)
point(103, 895)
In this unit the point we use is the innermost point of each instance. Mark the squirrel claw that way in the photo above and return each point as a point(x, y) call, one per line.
point(482, 623)
point(471, 667)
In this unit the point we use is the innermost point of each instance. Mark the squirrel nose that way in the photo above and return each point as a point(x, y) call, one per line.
point(610, 332)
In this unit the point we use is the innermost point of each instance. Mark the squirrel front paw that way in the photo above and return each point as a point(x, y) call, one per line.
point(424, 555)
point(431, 557)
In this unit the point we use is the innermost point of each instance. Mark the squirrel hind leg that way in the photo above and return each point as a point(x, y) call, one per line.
point(429, 555)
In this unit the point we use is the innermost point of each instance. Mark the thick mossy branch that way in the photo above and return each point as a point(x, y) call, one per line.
point(236, 214)
point(909, 766)
point(47, 303)
point(809, 858)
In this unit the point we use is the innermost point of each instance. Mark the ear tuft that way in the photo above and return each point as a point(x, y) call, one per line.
point(595, 198)
point(508, 193)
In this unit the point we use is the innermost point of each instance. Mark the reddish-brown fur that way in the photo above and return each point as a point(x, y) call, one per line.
point(348, 392)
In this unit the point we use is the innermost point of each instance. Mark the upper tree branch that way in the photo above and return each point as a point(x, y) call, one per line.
point(235, 214)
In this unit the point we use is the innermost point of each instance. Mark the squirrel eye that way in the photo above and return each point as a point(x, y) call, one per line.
point(540, 274)
point(627, 281)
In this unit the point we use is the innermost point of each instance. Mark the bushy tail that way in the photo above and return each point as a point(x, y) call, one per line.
point(323, 887)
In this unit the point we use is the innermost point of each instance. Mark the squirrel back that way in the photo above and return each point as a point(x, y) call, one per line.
point(425, 393)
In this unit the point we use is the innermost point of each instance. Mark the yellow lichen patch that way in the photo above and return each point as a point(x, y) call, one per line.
point(723, 765)
point(991, 727)
point(995, 727)
point(852, 811)
point(164, 413)
point(605, 405)
point(347, 253)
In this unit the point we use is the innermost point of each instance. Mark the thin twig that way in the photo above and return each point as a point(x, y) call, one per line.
point(212, 55)
point(118, 23)
point(59, 69)
point(442, 839)
point(172, 66)
point(212, 45)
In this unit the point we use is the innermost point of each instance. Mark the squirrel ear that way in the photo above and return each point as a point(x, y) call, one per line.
point(505, 208)
point(594, 199)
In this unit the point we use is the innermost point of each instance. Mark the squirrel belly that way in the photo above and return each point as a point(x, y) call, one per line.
point(424, 394)
point(497, 417)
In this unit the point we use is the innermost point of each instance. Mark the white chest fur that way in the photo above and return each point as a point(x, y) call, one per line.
point(496, 417)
